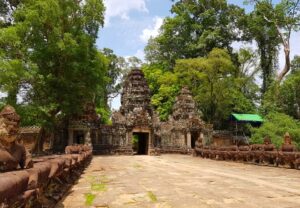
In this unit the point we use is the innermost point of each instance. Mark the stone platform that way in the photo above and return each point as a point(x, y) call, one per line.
point(182, 181)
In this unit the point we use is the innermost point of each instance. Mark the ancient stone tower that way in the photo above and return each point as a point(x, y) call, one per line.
point(135, 114)
point(184, 125)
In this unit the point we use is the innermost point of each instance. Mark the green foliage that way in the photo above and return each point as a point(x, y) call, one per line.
point(164, 87)
point(217, 89)
point(105, 115)
point(195, 28)
point(275, 126)
point(289, 94)
point(216, 83)
point(51, 51)
point(267, 39)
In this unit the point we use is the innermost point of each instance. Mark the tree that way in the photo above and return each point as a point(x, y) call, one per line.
point(285, 17)
point(214, 81)
point(266, 37)
point(7, 7)
point(66, 69)
point(289, 92)
point(275, 125)
point(195, 28)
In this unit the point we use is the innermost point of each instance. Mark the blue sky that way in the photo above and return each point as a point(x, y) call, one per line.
point(130, 23)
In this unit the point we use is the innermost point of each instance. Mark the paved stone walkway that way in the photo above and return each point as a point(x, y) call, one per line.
point(182, 181)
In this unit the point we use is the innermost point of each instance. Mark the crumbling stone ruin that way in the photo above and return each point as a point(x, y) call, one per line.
point(184, 126)
point(137, 119)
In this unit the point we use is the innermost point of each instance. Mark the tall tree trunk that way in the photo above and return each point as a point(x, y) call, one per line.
point(287, 65)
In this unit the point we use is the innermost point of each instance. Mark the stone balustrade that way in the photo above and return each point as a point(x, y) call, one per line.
point(47, 181)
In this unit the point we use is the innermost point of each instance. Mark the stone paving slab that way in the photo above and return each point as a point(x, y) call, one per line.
point(171, 181)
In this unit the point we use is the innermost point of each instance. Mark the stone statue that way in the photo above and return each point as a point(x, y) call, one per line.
point(270, 153)
point(287, 152)
point(12, 154)
point(287, 145)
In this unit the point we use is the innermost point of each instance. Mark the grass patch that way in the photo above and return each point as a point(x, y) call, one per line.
point(89, 199)
point(137, 165)
point(98, 187)
point(152, 196)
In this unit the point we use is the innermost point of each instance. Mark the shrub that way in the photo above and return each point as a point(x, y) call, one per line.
point(275, 125)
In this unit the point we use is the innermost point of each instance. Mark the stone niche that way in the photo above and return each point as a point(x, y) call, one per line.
point(84, 129)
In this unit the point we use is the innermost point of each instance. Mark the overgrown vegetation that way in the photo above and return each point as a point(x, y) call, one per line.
point(275, 126)
point(195, 48)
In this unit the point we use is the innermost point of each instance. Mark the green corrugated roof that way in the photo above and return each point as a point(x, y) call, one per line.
point(248, 117)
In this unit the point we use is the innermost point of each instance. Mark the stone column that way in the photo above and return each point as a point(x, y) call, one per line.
point(71, 139)
point(87, 137)
point(189, 140)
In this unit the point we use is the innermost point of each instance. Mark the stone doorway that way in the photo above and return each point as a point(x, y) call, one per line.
point(141, 143)
point(194, 137)
point(78, 137)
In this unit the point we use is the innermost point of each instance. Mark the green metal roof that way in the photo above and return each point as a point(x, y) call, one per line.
point(247, 117)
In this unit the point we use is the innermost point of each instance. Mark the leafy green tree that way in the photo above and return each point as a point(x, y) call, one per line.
point(59, 41)
point(275, 125)
point(285, 17)
point(266, 37)
point(289, 92)
point(214, 82)
point(195, 28)
point(164, 87)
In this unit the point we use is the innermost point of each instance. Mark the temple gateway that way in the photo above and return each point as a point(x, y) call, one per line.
point(136, 128)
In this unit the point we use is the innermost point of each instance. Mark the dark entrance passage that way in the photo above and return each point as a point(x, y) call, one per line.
point(78, 137)
point(195, 136)
point(140, 143)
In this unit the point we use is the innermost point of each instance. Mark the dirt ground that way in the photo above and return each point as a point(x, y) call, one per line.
point(182, 181)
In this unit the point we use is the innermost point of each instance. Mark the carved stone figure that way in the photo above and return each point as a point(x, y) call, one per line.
point(12, 154)
point(287, 152)
point(269, 152)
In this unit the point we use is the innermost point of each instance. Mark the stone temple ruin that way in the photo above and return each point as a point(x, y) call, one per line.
point(137, 119)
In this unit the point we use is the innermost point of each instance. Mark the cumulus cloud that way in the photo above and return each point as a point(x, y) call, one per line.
point(152, 31)
point(121, 8)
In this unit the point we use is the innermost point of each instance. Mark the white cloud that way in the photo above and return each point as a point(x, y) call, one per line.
point(121, 8)
point(152, 31)
point(140, 54)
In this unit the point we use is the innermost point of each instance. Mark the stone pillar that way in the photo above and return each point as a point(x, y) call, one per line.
point(97, 136)
point(129, 138)
point(87, 137)
point(189, 140)
point(70, 139)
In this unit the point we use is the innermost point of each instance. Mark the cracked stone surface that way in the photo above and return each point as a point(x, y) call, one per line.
point(182, 181)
